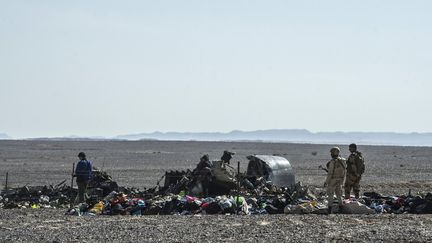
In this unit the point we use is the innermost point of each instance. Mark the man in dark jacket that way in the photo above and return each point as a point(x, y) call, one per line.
point(83, 174)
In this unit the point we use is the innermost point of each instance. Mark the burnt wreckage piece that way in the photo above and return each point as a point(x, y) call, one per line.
point(60, 195)
point(262, 170)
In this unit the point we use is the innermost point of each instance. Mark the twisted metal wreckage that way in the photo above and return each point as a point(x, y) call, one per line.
point(267, 187)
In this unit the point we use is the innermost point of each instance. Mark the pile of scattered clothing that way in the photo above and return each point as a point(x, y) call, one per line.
point(122, 204)
point(118, 203)
point(297, 200)
point(418, 204)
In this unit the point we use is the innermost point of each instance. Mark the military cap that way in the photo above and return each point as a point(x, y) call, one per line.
point(335, 150)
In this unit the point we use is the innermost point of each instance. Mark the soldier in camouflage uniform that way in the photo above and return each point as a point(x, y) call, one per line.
point(335, 177)
point(203, 173)
point(355, 169)
point(227, 156)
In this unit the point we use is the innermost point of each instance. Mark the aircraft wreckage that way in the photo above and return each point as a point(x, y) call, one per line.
point(267, 187)
point(222, 177)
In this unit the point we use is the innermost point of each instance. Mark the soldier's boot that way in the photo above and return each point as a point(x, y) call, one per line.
point(347, 192)
point(329, 210)
point(357, 194)
point(340, 205)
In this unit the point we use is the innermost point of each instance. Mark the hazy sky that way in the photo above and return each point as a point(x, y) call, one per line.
point(117, 67)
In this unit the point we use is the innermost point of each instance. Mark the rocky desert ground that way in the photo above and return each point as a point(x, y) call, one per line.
point(390, 171)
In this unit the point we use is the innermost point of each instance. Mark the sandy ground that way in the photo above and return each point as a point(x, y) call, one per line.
point(50, 225)
point(390, 170)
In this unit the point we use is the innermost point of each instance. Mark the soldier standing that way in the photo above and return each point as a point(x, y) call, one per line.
point(203, 173)
point(355, 169)
point(335, 177)
point(227, 156)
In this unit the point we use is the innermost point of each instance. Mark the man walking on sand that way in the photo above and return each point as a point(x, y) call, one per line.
point(83, 174)
point(335, 177)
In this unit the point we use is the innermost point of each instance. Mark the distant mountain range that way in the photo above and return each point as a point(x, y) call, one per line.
point(275, 135)
point(294, 136)
point(4, 136)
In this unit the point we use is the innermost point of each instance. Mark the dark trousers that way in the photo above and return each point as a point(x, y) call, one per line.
point(82, 191)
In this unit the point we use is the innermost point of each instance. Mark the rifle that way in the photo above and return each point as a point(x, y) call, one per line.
point(72, 175)
point(322, 168)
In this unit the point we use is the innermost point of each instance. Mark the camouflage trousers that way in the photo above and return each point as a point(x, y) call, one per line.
point(334, 187)
point(352, 182)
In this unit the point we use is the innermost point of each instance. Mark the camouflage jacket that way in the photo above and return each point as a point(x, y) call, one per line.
point(355, 164)
point(336, 169)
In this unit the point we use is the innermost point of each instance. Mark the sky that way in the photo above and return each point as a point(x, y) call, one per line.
point(105, 68)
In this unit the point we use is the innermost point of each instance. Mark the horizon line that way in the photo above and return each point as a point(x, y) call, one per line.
point(114, 137)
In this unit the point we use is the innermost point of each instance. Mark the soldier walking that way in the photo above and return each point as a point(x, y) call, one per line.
point(355, 169)
point(336, 168)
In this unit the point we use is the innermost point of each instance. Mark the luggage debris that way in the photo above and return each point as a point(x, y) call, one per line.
point(246, 194)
